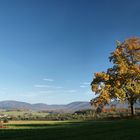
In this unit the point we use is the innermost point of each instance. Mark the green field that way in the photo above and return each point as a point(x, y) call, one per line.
point(86, 130)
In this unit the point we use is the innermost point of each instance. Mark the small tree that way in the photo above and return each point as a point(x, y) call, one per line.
point(122, 81)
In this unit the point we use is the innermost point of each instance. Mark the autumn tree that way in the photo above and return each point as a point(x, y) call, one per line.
point(122, 81)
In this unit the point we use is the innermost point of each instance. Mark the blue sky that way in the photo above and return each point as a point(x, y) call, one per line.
point(50, 49)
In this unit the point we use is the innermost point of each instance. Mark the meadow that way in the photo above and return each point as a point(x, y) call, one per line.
point(71, 130)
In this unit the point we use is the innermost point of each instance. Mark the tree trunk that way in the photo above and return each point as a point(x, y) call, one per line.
point(132, 109)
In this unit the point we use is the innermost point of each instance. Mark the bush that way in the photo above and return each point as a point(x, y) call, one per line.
point(5, 120)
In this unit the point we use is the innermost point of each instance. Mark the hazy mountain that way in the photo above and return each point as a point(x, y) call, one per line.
point(78, 106)
point(14, 105)
point(40, 106)
point(74, 106)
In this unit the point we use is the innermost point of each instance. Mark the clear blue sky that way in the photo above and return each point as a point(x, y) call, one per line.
point(50, 49)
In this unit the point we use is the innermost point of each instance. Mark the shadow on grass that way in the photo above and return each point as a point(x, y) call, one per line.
point(84, 130)
point(58, 130)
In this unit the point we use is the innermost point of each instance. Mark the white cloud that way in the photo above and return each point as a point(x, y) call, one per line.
point(86, 83)
point(83, 86)
point(48, 86)
point(58, 91)
point(70, 91)
point(58, 87)
point(48, 79)
point(29, 95)
point(47, 91)
point(42, 86)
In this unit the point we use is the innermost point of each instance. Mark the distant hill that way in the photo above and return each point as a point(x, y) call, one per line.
point(74, 106)
point(14, 105)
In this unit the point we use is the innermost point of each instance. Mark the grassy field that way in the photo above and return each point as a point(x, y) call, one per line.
point(21, 113)
point(86, 130)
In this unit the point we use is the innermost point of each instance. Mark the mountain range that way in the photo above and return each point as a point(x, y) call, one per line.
point(71, 107)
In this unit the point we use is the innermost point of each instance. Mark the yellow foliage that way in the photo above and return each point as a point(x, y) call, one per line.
point(133, 43)
point(102, 75)
point(117, 52)
point(123, 79)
